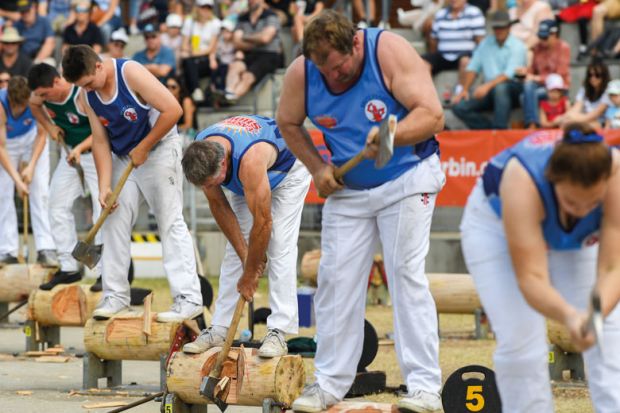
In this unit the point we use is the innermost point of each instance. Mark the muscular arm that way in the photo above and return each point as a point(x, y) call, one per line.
point(39, 145)
point(406, 77)
point(39, 113)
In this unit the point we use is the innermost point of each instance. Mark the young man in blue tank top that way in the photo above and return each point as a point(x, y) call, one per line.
point(22, 140)
point(346, 82)
point(540, 230)
point(248, 156)
point(133, 119)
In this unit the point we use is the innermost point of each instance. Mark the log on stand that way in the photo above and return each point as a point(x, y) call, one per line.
point(454, 293)
point(63, 305)
point(19, 280)
point(356, 406)
point(250, 379)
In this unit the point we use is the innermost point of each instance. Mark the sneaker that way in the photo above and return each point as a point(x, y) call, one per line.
point(231, 98)
point(198, 95)
point(313, 399)
point(273, 345)
point(421, 401)
point(207, 339)
point(362, 24)
point(180, 310)
point(7, 259)
point(47, 258)
point(109, 307)
point(61, 277)
point(97, 286)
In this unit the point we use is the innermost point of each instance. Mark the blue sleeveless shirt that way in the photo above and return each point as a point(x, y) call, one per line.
point(124, 117)
point(244, 131)
point(533, 153)
point(16, 127)
point(345, 119)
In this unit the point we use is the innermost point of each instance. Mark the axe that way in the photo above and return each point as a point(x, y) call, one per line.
point(387, 130)
point(84, 251)
point(76, 165)
point(595, 322)
point(207, 387)
point(20, 256)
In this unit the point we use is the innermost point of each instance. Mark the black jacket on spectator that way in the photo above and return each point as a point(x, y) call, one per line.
point(20, 68)
point(91, 36)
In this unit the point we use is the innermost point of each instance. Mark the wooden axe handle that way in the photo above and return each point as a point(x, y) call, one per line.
point(232, 330)
point(110, 201)
point(348, 165)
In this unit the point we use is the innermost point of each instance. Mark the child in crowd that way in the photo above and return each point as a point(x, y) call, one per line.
point(556, 103)
point(612, 114)
point(225, 55)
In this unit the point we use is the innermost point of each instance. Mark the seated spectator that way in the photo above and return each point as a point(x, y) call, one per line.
point(457, 29)
point(556, 102)
point(257, 36)
point(39, 42)
point(157, 59)
point(497, 57)
point(591, 100)
point(5, 76)
point(550, 55)
point(580, 13)
point(612, 114)
point(200, 34)
point(172, 36)
point(59, 13)
point(188, 123)
point(284, 9)
point(106, 15)
point(225, 55)
point(83, 31)
point(311, 9)
point(529, 14)
point(609, 9)
point(116, 45)
point(421, 17)
point(11, 58)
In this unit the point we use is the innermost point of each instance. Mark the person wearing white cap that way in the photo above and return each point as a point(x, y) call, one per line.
point(11, 59)
point(116, 45)
point(556, 103)
point(612, 114)
point(172, 36)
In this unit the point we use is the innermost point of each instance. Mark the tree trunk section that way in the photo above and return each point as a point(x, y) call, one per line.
point(454, 293)
point(251, 378)
point(362, 407)
point(560, 336)
point(122, 338)
point(63, 305)
point(310, 266)
point(18, 280)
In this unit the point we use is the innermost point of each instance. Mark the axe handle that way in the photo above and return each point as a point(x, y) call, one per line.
point(26, 205)
point(232, 330)
point(348, 165)
point(110, 201)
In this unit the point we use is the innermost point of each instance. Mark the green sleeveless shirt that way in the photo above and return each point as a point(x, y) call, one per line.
point(69, 118)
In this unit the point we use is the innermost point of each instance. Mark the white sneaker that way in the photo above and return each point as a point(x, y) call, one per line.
point(180, 310)
point(313, 399)
point(421, 401)
point(109, 307)
point(198, 95)
point(273, 345)
point(208, 338)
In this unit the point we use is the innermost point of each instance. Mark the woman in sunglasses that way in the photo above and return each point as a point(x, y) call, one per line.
point(591, 100)
point(187, 123)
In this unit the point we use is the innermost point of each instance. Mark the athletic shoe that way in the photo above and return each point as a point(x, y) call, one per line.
point(198, 95)
point(180, 310)
point(273, 345)
point(47, 258)
point(421, 401)
point(109, 307)
point(61, 277)
point(207, 339)
point(7, 259)
point(313, 399)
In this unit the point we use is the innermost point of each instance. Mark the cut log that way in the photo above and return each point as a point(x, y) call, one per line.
point(310, 266)
point(454, 293)
point(362, 407)
point(19, 280)
point(122, 338)
point(251, 378)
point(92, 299)
point(560, 336)
point(63, 305)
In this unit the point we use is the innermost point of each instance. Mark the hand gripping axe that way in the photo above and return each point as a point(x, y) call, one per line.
point(84, 251)
point(595, 322)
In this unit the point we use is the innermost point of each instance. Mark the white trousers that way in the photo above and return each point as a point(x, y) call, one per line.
point(160, 182)
point(287, 202)
point(65, 188)
point(20, 150)
point(521, 354)
point(398, 214)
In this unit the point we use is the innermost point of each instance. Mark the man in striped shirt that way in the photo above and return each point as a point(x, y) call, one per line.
point(457, 29)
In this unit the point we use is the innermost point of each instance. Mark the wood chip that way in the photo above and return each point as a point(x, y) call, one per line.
point(102, 405)
point(55, 350)
point(35, 353)
point(23, 392)
point(53, 359)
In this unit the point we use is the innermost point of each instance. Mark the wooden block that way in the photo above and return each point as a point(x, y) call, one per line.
point(23, 392)
point(146, 317)
point(53, 359)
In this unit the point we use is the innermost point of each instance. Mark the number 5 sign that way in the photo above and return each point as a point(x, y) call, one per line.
point(471, 389)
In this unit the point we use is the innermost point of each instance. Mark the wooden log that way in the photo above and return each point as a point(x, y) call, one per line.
point(122, 338)
point(454, 293)
point(357, 406)
point(310, 266)
point(251, 378)
point(19, 280)
point(560, 336)
point(63, 305)
point(92, 299)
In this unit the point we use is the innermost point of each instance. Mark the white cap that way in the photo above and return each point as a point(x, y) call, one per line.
point(119, 36)
point(613, 88)
point(228, 25)
point(554, 81)
point(174, 20)
point(201, 3)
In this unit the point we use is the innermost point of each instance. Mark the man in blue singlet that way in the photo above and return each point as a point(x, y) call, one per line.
point(133, 119)
point(346, 82)
point(248, 156)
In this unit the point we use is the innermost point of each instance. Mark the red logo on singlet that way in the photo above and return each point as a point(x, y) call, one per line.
point(73, 118)
point(375, 110)
point(130, 114)
point(51, 113)
point(104, 121)
point(543, 139)
point(241, 124)
point(326, 121)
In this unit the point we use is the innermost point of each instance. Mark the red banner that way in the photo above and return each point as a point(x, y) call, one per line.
point(464, 154)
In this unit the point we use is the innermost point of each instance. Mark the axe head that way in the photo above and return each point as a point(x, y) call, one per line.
point(207, 389)
point(387, 130)
point(87, 254)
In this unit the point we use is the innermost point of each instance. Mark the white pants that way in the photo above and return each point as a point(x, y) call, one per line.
point(287, 202)
point(160, 181)
point(521, 354)
point(20, 150)
point(64, 190)
point(398, 214)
